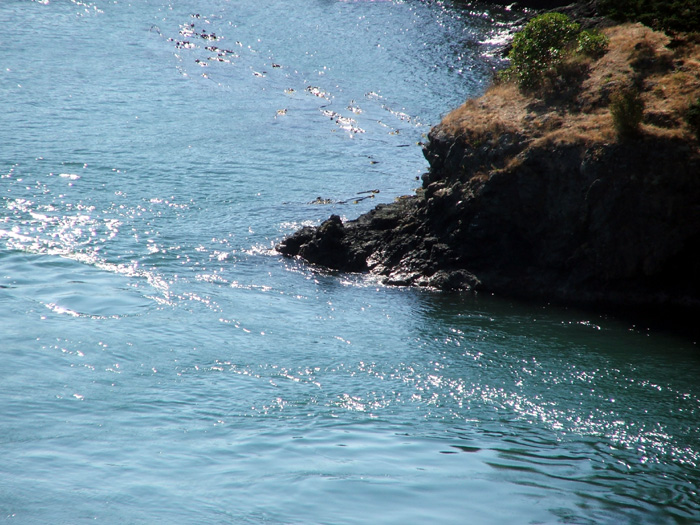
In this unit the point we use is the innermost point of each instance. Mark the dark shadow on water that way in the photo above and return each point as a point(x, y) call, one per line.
point(681, 325)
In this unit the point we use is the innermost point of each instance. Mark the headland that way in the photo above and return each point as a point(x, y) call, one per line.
point(564, 190)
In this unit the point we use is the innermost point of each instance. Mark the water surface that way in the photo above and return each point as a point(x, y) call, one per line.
point(162, 364)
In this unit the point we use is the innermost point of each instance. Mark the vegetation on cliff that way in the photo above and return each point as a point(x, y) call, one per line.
point(581, 185)
point(545, 45)
point(572, 100)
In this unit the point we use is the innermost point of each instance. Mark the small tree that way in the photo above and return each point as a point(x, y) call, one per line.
point(592, 43)
point(627, 110)
point(692, 117)
point(540, 47)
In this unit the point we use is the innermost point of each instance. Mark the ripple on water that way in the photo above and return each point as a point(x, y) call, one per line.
point(67, 287)
point(162, 364)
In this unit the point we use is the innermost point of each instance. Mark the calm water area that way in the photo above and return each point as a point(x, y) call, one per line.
point(161, 363)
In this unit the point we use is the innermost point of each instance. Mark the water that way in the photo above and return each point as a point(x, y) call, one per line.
point(161, 364)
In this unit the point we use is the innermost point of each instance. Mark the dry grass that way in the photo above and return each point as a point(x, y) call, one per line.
point(500, 109)
point(666, 73)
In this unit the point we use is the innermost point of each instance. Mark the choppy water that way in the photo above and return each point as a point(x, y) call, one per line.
point(161, 364)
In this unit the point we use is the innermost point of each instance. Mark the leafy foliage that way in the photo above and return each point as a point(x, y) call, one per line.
point(692, 117)
point(592, 43)
point(673, 15)
point(540, 47)
point(627, 110)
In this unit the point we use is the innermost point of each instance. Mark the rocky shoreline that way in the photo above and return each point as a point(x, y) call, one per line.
point(535, 197)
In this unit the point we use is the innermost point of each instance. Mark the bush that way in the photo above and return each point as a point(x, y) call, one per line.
point(539, 48)
point(592, 43)
point(627, 110)
point(692, 117)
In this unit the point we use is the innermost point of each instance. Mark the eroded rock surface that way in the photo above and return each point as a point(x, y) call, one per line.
point(532, 198)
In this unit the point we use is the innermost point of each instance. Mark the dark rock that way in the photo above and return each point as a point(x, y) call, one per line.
point(613, 224)
point(585, 12)
point(560, 215)
point(534, 4)
point(325, 245)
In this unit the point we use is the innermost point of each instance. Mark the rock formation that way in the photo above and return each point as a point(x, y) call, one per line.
point(535, 195)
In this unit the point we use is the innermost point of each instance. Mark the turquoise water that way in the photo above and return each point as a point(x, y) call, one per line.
point(162, 364)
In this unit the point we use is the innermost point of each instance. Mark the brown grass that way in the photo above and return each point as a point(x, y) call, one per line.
point(499, 110)
point(667, 76)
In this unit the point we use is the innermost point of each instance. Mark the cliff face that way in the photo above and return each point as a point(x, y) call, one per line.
point(586, 222)
point(537, 197)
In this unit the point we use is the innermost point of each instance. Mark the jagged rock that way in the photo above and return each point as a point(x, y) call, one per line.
point(564, 211)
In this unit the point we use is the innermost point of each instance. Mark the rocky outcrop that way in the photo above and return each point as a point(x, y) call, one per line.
point(534, 4)
point(615, 224)
point(586, 12)
point(533, 199)
point(586, 222)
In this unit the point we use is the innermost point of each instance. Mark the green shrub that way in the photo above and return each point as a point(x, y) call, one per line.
point(592, 43)
point(692, 117)
point(539, 48)
point(627, 110)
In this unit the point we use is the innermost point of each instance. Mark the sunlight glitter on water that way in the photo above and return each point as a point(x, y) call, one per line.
point(162, 363)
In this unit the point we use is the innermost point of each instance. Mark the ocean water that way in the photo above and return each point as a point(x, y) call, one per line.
point(162, 364)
